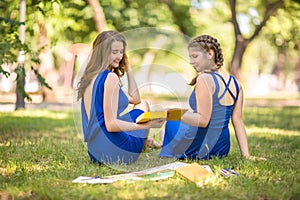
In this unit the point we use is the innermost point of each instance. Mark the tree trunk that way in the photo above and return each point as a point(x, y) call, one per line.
point(20, 102)
point(240, 42)
point(237, 58)
point(99, 16)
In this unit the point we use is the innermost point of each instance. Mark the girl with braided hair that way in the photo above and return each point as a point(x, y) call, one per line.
point(217, 97)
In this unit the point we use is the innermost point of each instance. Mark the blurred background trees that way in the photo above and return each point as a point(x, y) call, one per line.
point(260, 38)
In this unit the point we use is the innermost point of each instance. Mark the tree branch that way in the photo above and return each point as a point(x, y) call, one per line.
point(270, 10)
point(99, 16)
point(236, 27)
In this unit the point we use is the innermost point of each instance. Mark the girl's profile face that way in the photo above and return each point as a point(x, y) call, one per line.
point(198, 59)
point(116, 54)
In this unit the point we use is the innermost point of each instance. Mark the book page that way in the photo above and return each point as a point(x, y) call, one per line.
point(147, 116)
point(192, 172)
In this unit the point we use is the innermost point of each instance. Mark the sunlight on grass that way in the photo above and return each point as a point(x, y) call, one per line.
point(8, 170)
point(41, 153)
point(254, 130)
point(40, 113)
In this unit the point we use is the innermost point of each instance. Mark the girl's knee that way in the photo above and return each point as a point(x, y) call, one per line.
point(144, 105)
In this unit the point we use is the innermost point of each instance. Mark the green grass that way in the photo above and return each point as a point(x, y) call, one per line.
point(41, 153)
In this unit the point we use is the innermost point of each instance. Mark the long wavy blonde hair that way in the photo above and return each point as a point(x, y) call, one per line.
point(100, 58)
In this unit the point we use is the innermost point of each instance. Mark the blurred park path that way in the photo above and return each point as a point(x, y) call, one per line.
point(64, 101)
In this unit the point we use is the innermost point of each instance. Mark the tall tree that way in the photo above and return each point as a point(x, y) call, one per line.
point(15, 41)
point(20, 70)
point(241, 42)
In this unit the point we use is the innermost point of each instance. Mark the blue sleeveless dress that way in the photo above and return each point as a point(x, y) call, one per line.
point(183, 141)
point(110, 147)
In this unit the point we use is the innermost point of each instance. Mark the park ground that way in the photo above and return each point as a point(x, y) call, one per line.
point(40, 155)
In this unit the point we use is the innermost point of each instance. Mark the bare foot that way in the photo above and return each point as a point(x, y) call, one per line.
point(150, 143)
point(256, 158)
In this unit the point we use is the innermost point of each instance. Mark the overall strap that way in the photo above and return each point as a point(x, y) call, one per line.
point(216, 83)
point(236, 87)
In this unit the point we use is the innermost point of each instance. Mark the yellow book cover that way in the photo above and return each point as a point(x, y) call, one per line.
point(169, 114)
point(195, 173)
point(147, 116)
point(175, 113)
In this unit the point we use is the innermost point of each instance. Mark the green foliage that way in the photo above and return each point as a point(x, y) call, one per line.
point(40, 78)
point(181, 16)
point(125, 15)
point(68, 22)
point(73, 20)
point(10, 48)
point(283, 29)
point(10, 45)
point(282, 34)
point(41, 153)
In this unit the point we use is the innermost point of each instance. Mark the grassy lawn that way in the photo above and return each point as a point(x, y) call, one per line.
point(41, 153)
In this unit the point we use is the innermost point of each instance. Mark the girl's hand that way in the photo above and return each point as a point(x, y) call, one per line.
point(254, 158)
point(156, 123)
point(127, 66)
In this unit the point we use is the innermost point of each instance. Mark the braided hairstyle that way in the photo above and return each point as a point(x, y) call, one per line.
point(205, 43)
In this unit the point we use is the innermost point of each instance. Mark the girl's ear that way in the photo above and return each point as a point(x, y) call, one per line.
point(211, 53)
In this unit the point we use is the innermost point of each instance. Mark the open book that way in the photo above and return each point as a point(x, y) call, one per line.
point(151, 174)
point(155, 173)
point(169, 114)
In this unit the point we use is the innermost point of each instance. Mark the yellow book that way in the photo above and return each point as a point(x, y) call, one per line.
point(147, 116)
point(169, 114)
point(175, 113)
point(194, 173)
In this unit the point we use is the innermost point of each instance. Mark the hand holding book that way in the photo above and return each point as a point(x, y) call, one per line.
point(169, 114)
point(175, 113)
